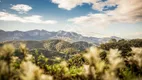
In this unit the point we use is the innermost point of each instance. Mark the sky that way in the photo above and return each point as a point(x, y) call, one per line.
point(97, 18)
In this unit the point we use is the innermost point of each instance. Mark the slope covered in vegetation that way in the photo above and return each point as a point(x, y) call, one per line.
point(93, 64)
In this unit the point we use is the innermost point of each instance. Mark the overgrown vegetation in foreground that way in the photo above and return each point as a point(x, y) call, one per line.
point(94, 64)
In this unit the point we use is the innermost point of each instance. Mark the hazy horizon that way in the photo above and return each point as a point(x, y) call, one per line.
point(58, 31)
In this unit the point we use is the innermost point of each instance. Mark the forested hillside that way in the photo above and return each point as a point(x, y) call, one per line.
point(61, 60)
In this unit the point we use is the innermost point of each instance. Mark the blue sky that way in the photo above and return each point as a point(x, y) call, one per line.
point(99, 18)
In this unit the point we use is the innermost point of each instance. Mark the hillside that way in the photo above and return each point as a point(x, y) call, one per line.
point(55, 45)
point(38, 35)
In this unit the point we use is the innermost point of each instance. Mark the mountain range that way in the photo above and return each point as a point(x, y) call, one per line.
point(38, 35)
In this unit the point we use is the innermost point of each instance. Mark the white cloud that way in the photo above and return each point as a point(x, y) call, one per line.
point(92, 20)
point(21, 8)
point(67, 4)
point(134, 35)
point(37, 19)
point(4, 16)
point(126, 12)
point(70, 4)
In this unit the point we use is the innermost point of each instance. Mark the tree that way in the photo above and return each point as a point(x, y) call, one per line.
point(112, 41)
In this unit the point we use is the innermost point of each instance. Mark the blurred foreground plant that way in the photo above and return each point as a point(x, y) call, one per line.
point(95, 64)
point(100, 69)
point(137, 56)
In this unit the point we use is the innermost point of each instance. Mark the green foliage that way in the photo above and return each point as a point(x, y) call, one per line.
point(123, 45)
point(69, 50)
point(81, 45)
point(94, 64)
point(77, 60)
point(112, 41)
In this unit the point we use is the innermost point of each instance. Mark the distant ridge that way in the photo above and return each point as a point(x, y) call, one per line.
point(38, 35)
